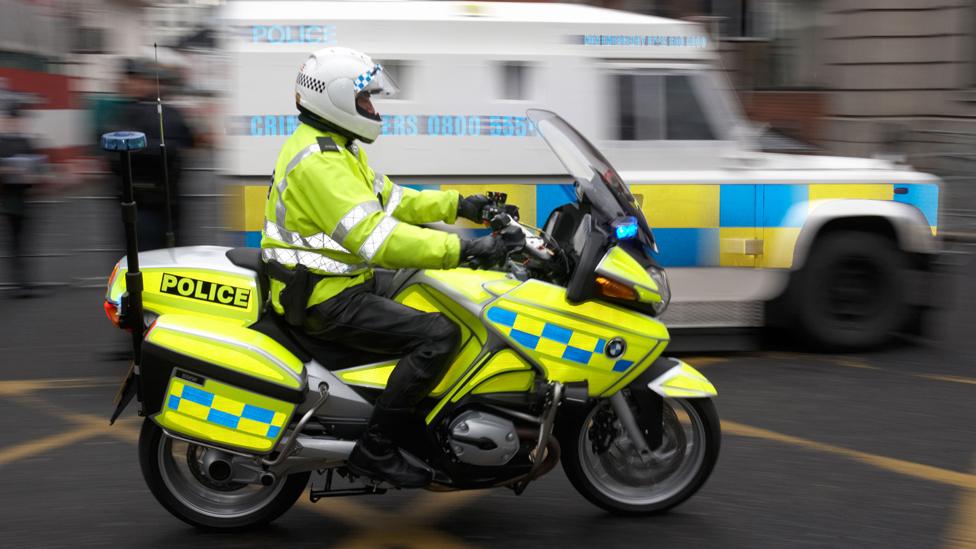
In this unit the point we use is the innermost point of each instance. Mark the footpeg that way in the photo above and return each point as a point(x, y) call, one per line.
point(329, 492)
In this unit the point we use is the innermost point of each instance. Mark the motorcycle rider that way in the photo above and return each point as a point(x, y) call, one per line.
point(330, 219)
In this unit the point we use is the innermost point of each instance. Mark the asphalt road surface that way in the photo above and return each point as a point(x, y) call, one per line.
point(867, 450)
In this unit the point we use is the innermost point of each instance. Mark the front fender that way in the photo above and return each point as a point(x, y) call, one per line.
point(674, 378)
point(911, 229)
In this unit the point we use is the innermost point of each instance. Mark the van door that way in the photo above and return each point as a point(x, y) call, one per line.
point(697, 223)
point(780, 224)
point(740, 243)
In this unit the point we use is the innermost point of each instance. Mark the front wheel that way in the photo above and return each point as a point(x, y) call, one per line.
point(604, 466)
point(173, 473)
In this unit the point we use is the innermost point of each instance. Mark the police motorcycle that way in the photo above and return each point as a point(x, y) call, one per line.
point(561, 360)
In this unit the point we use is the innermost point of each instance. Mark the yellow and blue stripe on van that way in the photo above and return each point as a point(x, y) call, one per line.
point(694, 224)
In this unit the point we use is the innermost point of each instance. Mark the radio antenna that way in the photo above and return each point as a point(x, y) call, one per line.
point(170, 235)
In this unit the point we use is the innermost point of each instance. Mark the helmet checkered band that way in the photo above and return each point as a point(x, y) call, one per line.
point(364, 79)
point(308, 82)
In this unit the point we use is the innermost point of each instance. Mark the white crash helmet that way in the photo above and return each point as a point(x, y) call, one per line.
point(329, 83)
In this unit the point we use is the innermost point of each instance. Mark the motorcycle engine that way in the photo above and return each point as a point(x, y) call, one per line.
point(478, 438)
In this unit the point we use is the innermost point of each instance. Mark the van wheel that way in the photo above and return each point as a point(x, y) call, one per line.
point(851, 293)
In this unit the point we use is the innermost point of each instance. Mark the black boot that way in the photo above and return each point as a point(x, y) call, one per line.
point(376, 456)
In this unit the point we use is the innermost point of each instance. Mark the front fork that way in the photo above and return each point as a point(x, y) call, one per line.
point(666, 377)
point(645, 427)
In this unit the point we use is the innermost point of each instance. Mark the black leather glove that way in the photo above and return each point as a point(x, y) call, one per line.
point(512, 210)
point(483, 251)
point(473, 207)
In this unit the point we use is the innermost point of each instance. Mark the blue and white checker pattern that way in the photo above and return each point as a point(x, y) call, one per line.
point(201, 404)
point(553, 340)
point(364, 79)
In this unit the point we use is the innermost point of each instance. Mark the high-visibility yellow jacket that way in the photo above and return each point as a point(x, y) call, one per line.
point(329, 211)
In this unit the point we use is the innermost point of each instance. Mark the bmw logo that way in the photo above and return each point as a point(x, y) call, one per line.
point(615, 347)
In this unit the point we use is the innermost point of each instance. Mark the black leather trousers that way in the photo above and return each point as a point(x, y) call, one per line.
point(361, 319)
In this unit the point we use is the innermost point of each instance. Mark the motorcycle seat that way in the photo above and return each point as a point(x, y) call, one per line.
point(247, 258)
point(331, 355)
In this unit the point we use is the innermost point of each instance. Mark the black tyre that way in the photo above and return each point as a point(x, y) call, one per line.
point(167, 467)
point(850, 295)
point(604, 466)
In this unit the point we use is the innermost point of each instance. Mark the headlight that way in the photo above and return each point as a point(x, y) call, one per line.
point(660, 277)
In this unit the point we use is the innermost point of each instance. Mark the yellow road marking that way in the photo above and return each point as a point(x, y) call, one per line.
point(407, 527)
point(855, 363)
point(126, 429)
point(702, 361)
point(435, 504)
point(85, 428)
point(24, 386)
point(44, 444)
point(340, 509)
point(381, 537)
point(908, 468)
point(962, 531)
point(951, 379)
point(850, 363)
point(787, 356)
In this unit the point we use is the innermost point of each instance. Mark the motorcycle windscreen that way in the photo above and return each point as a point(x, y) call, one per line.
point(595, 177)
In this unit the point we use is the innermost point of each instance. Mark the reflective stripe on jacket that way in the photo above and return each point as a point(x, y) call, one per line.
point(328, 210)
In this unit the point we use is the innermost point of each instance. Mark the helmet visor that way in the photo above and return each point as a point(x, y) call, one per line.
point(376, 82)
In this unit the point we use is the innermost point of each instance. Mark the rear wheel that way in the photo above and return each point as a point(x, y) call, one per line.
point(603, 464)
point(172, 472)
point(851, 293)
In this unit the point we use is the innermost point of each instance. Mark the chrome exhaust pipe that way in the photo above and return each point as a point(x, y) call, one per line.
point(217, 465)
point(311, 454)
point(330, 450)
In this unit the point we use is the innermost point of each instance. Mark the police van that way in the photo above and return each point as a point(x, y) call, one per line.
point(835, 247)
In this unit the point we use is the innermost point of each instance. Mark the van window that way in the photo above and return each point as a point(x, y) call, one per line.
point(658, 106)
point(514, 80)
point(686, 120)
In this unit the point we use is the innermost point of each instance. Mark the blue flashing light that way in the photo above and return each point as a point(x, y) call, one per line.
point(124, 141)
point(625, 228)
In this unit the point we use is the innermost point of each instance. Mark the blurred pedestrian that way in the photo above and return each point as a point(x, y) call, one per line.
point(21, 167)
point(139, 113)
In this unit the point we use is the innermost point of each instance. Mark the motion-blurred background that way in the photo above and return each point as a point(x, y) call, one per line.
point(871, 77)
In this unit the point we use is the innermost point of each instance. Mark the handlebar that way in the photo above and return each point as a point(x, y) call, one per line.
point(498, 206)
point(530, 253)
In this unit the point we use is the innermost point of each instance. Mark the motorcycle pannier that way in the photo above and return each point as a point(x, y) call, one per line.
point(219, 383)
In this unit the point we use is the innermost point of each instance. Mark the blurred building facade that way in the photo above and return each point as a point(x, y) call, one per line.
point(855, 77)
point(62, 61)
point(65, 57)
